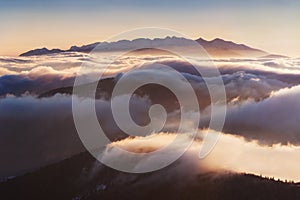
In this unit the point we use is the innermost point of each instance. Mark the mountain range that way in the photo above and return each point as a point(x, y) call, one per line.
point(215, 48)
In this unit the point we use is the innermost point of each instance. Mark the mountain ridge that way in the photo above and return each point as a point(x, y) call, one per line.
point(216, 47)
point(82, 177)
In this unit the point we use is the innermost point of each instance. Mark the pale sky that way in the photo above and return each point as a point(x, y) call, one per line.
point(271, 25)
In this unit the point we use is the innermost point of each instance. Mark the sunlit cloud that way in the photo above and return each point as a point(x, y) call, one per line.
point(232, 153)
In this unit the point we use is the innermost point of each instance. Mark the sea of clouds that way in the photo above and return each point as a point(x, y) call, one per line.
point(262, 119)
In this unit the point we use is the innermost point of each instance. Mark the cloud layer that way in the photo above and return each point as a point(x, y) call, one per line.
point(261, 94)
point(273, 120)
point(231, 153)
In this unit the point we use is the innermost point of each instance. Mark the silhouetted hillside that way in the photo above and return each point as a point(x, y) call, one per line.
point(81, 177)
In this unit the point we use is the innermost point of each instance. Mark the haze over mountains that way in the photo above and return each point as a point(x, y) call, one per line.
point(216, 48)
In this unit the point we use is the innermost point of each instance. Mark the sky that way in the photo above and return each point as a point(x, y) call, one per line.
point(271, 25)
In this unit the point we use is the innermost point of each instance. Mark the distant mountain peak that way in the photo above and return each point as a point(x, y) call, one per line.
point(200, 40)
point(41, 51)
point(218, 40)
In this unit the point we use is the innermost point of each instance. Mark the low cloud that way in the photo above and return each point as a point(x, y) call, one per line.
point(19, 84)
point(231, 154)
point(36, 132)
point(273, 120)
